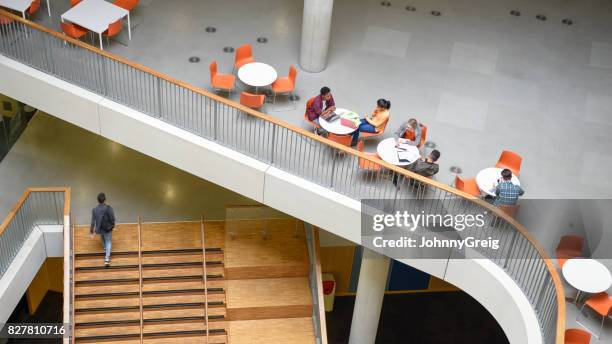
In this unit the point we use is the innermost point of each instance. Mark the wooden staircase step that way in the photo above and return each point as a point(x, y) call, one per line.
point(268, 298)
point(290, 330)
point(181, 298)
point(110, 288)
point(179, 257)
point(181, 284)
point(108, 274)
point(272, 271)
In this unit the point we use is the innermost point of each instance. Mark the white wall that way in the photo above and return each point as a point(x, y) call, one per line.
point(295, 196)
point(46, 241)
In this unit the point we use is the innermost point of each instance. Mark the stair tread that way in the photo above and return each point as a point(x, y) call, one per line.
point(268, 292)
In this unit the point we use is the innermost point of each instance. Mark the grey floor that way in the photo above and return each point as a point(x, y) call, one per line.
point(52, 152)
point(481, 79)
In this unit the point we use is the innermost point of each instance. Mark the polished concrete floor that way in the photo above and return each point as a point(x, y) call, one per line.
point(481, 79)
point(52, 152)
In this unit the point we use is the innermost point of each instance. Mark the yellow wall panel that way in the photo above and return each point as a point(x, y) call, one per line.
point(338, 260)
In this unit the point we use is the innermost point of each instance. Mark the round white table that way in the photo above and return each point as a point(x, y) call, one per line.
point(336, 126)
point(487, 180)
point(388, 152)
point(257, 74)
point(587, 275)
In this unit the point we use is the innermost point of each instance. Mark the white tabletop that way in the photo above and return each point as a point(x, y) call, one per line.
point(17, 5)
point(587, 275)
point(94, 15)
point(388, 152)
point(487, 180)
point(257, 74)
point(336, 126)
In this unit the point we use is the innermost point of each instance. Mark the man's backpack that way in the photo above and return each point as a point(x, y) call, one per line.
point(107, 224)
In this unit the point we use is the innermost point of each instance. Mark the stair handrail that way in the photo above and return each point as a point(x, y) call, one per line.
point(31, 210)
point(205, 277)
point(140, 305)
point(553, 275)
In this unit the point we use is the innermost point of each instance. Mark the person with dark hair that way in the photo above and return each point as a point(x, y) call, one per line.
point(103, 222)
point(409, 133)
point(506, 193)
point(425, 166)
point(375, 121)
point(317, 108)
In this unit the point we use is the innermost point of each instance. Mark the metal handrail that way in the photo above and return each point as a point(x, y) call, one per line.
point(36, 207)
point(272, 141)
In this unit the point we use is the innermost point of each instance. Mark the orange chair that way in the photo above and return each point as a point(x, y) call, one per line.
point(285, 84)
point(253, 101)
point(308, 106)
point(410, 135)
point(73, 30)
point(602, 304)
point(570, 246)
point(221, 81)
point(511, 161)
point(577, 336)
point(341, 139)
point(244, 55)
point(113, 30)
point(365, 135)
point(33, 7)
point(126, 4)
point(365, 164)
point(74, 2)
point(5, 20)
point(467, 186)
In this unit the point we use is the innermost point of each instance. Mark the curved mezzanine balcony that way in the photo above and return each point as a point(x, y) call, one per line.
point(285, 147)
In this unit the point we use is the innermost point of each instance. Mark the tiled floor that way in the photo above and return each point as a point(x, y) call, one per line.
point(481, 79)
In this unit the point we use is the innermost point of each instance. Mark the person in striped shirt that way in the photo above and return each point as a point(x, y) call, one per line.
point(506, 193)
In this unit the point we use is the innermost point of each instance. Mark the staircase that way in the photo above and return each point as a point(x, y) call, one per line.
point(251, 284)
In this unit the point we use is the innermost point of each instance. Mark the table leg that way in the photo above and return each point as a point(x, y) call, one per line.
point(129, 27)
point(23, 14)
point(48, 8)
point(101, 47)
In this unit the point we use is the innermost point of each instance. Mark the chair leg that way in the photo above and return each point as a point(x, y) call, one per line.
point(274, 99)
point(603, 318)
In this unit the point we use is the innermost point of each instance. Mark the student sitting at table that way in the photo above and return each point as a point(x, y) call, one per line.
point(316, 110)
point(374, 122)
point(424, 166)
point(409, 133)
point(506, 193)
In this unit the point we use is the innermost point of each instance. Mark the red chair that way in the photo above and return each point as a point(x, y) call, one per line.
point(74, 2)
point(285, 84)
point(602, 304)
point(570, 246)
point(308, 106)
point(244, 55)
point(468, 186)
point(511, 161)
point(341, 139)
point(410, 135)
point(113, 30)
point(221, 81)
point(33, 7)
point(253, 101)
point(126, 4)
point(366, 164)
point(577, 336)
point(73, 30)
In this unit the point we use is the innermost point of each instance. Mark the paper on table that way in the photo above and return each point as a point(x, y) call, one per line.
point(403, 156)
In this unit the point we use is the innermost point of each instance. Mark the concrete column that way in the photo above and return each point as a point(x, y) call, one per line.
point(370, 294)
point(316, 28)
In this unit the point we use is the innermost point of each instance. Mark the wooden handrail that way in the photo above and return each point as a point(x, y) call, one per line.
point(204, 277)
point(140, 281)
point(348, 150)
point(319, 281)
point(72, 286)
point(26, 194)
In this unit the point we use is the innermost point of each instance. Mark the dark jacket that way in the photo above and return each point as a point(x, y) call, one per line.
point(96, 216)
point(424, 168)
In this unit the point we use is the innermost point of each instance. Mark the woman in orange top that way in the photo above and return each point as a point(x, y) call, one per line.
point(374, 122)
